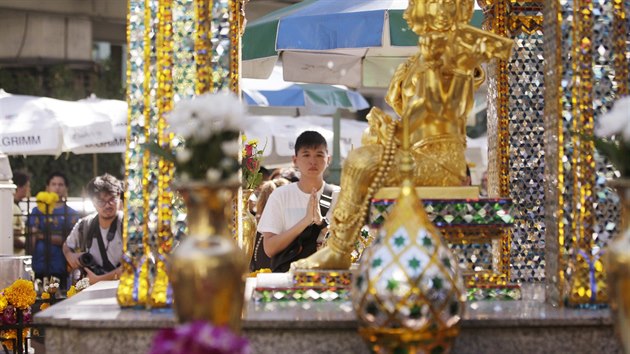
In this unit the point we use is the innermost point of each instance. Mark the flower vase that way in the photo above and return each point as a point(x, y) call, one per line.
point(408, 294)
point(618, 265)
point(207, 269)
point(249, 226)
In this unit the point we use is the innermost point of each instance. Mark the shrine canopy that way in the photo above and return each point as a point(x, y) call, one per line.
point(357, 43)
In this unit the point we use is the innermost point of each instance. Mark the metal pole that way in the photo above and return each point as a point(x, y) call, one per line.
point(335, 167)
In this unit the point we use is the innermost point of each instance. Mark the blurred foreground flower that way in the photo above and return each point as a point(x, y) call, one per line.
point(198, 337)
point(613, 135)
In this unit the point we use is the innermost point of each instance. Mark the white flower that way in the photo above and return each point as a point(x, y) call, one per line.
point(82, 284)
point(231, 148)
point(183, 155)
point(213, 175)
point(616, 121)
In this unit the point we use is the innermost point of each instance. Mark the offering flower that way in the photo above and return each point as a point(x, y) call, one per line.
point(206, 146)
point(21, 294)
point(613, 135)
point(252, 158)
point(46, 201)
point(198, 337)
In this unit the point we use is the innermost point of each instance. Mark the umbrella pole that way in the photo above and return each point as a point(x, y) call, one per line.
point(94, 165)
point(335, 166)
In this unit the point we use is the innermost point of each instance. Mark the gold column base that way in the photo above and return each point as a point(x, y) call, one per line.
point(322, 278)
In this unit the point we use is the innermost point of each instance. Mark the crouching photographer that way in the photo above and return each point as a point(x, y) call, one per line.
point(95, 243)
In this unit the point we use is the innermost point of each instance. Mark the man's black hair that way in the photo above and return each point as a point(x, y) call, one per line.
point(310, 139)
point(105, 183)
point(57, 174)
point(21, 178)
point(265, 172)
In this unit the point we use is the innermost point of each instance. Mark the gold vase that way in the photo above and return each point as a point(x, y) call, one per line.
point(207, 269)
point(408, 293)
point(618, 262)
point(249, 226)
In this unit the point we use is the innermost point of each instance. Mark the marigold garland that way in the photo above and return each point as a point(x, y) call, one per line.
point(72, 291)
point(3, 302)
point(46, 201)
point(21, 294)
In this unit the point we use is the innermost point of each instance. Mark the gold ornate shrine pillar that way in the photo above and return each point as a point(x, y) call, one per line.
point(586, 70)
point(176, 48)
point(515, 132)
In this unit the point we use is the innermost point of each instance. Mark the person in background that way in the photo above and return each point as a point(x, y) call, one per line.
point(266, 174)
point(23, 182)
point(50, 232)
point(468, 179)
point(289, 173)
point(98, 235)
point(260, 260)
point(293, 208)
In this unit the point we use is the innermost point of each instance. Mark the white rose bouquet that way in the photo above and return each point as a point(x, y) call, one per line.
point(613, 135)
point(206, 143)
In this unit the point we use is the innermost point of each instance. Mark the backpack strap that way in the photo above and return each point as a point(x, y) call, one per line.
point(325, 201)
point(85, 241)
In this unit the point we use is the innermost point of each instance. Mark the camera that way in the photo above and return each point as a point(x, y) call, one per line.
point(87, 261)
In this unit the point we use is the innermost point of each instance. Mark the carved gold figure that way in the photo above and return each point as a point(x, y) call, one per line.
point(434, 90)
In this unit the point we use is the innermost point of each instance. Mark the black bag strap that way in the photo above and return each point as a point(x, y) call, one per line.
point(325, 201)
point(111, 233)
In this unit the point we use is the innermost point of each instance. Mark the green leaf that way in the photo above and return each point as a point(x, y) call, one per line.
point(156, 149)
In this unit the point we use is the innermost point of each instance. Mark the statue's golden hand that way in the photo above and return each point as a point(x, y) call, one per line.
point(467, 56)
point(433, 46)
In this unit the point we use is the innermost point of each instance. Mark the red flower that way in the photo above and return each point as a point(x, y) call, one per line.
point(251, 164)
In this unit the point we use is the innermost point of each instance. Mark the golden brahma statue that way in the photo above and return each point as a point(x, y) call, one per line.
point(433, 90)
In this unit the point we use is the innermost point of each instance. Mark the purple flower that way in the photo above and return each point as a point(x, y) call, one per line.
point(8, 315)
point(198, 337)
point(27, 316)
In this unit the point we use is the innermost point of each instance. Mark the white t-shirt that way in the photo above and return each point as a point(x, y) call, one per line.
point(287, 206)
point(114, 248)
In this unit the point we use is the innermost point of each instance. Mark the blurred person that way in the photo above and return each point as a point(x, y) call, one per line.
point(289, 173)
point(483, 190)
point(292, 223)
point(51, 230)
point(260, 259)
point(468, 180)
point(266, 174)
point(95, 243)
point(22, 180)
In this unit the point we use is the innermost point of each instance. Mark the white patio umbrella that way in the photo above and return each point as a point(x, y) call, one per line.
point(45, 126)
point(116, 111)
point(357, 43)
point(313, 98)
point(278, 133)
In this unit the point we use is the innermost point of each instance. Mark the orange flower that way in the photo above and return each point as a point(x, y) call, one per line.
point(21, 294)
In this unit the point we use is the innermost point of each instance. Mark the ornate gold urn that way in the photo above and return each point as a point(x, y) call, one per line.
point(618, 266)
point(408, 293)
point(207, 269)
